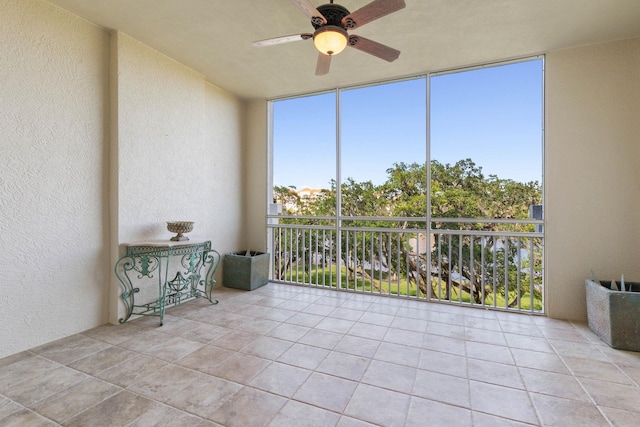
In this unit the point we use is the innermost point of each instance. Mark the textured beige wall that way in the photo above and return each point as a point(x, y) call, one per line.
point(256, 167)
point(592, 172)
point(53, 176)
point(224, 191)
point(180, 157)
point(161, 145)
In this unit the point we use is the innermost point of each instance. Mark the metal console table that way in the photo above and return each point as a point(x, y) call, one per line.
point(155, 262)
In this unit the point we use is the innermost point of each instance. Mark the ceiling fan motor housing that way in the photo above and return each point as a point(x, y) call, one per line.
point(333, 13)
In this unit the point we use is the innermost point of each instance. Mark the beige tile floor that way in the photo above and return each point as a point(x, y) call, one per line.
point(294, 356)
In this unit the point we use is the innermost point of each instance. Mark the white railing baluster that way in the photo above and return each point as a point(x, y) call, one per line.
point(363, 261)
point(495, 272)
point(347, 260)
point(291, 253)
point(439, 266)
point(483, 245)
point(389, 261)
point(531, 274)
point(471, 270)
point(460, 261)
point(372, 260)
point(449, 261)
point(519, 264)
point(506, 273)
point(399, 249)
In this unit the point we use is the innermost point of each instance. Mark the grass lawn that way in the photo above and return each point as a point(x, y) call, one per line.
point(392, 286)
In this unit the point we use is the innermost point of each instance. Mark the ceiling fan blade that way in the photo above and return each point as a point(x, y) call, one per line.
point(308, 9)
point(370, 12)
point(374, 48)
point(283, 39)
point(323, 64)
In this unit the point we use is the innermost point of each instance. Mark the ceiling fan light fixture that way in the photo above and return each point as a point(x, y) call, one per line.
point(330, 39)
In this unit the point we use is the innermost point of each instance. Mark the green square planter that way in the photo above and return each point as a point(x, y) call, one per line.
point(614, 315)
point(246, 270)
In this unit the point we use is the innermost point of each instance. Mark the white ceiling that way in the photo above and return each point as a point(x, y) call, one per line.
point(214, 37)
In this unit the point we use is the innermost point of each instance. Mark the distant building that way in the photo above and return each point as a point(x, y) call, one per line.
point(308, 193)
point(305, 195)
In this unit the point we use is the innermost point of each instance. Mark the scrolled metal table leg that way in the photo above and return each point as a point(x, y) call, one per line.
point(210, 259)
point(122, 268)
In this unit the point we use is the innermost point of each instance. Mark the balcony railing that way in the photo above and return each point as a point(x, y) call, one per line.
point(453, 261)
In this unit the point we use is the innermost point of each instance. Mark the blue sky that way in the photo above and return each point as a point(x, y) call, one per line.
point(492, 115)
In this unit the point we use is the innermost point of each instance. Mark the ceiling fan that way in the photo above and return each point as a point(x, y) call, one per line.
point(331, 23)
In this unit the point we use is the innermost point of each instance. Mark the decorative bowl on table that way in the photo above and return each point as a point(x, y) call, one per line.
point(180, 227)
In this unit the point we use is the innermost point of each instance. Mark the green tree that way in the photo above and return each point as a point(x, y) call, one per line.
point(288, 198)
point(472, 264)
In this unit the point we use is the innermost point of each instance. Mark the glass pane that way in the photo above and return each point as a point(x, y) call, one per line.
point(383, 149)
point(486, 141)
point(304, 154)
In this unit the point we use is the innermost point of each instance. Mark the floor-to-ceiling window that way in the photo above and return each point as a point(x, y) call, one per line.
point(428, 187)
